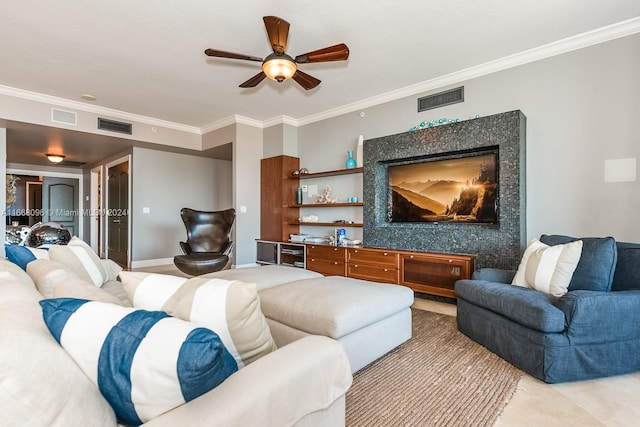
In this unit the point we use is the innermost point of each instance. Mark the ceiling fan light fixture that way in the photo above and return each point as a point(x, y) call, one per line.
point(55, 158)
point(279, 67)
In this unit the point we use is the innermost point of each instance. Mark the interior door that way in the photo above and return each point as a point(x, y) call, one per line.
point(60, 202)
point(118, 213)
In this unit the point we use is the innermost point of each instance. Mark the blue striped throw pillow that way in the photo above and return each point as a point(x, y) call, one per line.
point(23, 255)
point(144, 362)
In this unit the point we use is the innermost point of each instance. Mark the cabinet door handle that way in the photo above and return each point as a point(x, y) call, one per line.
point(355, 266)
point(450, 260)
point(385, 254)
point(335, 263)
point(411, 256)
point(386, 269)
point(355, 250)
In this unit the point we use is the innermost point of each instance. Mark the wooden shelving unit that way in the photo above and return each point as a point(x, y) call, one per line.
point(328, 224)
point(326, 205)
point(328, 173)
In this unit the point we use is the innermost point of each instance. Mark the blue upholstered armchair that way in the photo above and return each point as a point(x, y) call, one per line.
point(592, 331)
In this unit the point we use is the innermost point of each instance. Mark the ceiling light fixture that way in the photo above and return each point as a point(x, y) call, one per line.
point(88, 97)
point(55, 158)
point(279, 67)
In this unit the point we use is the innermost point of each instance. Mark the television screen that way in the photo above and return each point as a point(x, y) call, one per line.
point(461, 189)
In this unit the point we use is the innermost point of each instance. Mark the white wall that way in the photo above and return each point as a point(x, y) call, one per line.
point(3, 172)
point(581, 110)
point(247, 153)
point(165, 183)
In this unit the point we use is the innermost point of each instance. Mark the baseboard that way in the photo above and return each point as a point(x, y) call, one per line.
point(151, 262)
point(253, 264)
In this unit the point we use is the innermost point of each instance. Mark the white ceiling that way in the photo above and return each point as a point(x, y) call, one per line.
point(146, 57)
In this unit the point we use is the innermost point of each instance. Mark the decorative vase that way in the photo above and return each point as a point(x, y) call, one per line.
point(359, 151)
point(351, 162)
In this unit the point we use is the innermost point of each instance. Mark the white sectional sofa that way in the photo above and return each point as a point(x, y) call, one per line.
point(300, 384)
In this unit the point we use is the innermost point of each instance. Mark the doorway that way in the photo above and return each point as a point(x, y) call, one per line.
point(60, 202)
point(46, 196)
point(117, 212)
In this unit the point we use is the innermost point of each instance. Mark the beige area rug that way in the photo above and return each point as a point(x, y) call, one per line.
point(437, 378)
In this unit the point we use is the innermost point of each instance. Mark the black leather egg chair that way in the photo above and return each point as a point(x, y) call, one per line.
point(208, 244)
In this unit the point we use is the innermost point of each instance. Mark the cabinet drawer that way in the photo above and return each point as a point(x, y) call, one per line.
point(434, 271)
point(373, 256)
point(373, 273)
point(327, 253)
point(328, 268)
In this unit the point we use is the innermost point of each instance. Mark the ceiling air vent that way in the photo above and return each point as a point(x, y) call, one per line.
point(70, 163)
point(113, 126)
point(441, 99)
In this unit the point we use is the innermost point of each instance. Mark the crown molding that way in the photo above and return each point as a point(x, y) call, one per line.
point(589, 38)
point(79, 106)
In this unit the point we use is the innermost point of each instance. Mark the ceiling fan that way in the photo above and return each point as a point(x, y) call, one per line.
point(279, 66)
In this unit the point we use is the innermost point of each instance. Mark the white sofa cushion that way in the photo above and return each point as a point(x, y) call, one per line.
point(75, 287)
point(81, 259)
point(230, 308)
point(266, 276)
point(144, 363)
point(10, 271)
point(40, 385)
point(47, 274)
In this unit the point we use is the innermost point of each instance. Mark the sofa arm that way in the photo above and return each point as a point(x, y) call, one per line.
point(494, 275)
point(279, 389)
point(594, 316)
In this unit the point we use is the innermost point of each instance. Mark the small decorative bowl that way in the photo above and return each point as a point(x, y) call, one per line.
point(295, 173)
point(304, 171)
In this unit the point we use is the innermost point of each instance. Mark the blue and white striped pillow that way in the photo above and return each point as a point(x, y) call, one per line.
point(23, 255)
point(144, 362)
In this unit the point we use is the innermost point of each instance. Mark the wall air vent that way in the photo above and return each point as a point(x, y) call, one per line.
point(62, 116)
point(441, 99)
point(113, 126)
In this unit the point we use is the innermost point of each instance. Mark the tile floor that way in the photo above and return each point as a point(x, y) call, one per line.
point(604, 402)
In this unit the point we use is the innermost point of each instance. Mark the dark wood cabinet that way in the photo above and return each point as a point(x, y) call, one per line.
point(430, 273)
point(433, 273)
point(278, 216)
point(327, 260)
point(377, 265)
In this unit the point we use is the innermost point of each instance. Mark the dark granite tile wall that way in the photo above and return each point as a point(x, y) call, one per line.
point(495, 245)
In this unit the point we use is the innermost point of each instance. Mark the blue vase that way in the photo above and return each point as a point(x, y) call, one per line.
point(351, 162)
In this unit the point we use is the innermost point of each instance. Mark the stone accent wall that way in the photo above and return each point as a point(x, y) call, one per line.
point(495, 245)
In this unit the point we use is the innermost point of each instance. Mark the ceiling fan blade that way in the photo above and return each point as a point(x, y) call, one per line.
point(305, 80)
point(223, 54)
point(253, 81)
point(339, 52)
point(278, 31)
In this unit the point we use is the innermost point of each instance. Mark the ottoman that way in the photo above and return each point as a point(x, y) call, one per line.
point(369, 319)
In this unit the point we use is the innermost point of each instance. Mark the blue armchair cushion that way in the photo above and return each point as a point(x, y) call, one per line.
point(597, 264)
point(528, 307)
point(595, 317)
point(627, 276)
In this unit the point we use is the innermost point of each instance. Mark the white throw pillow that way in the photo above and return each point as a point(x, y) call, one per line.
point(548, 268)
point(144, 362)
point(229, 308)
point(48, 273)
point(82, 260)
